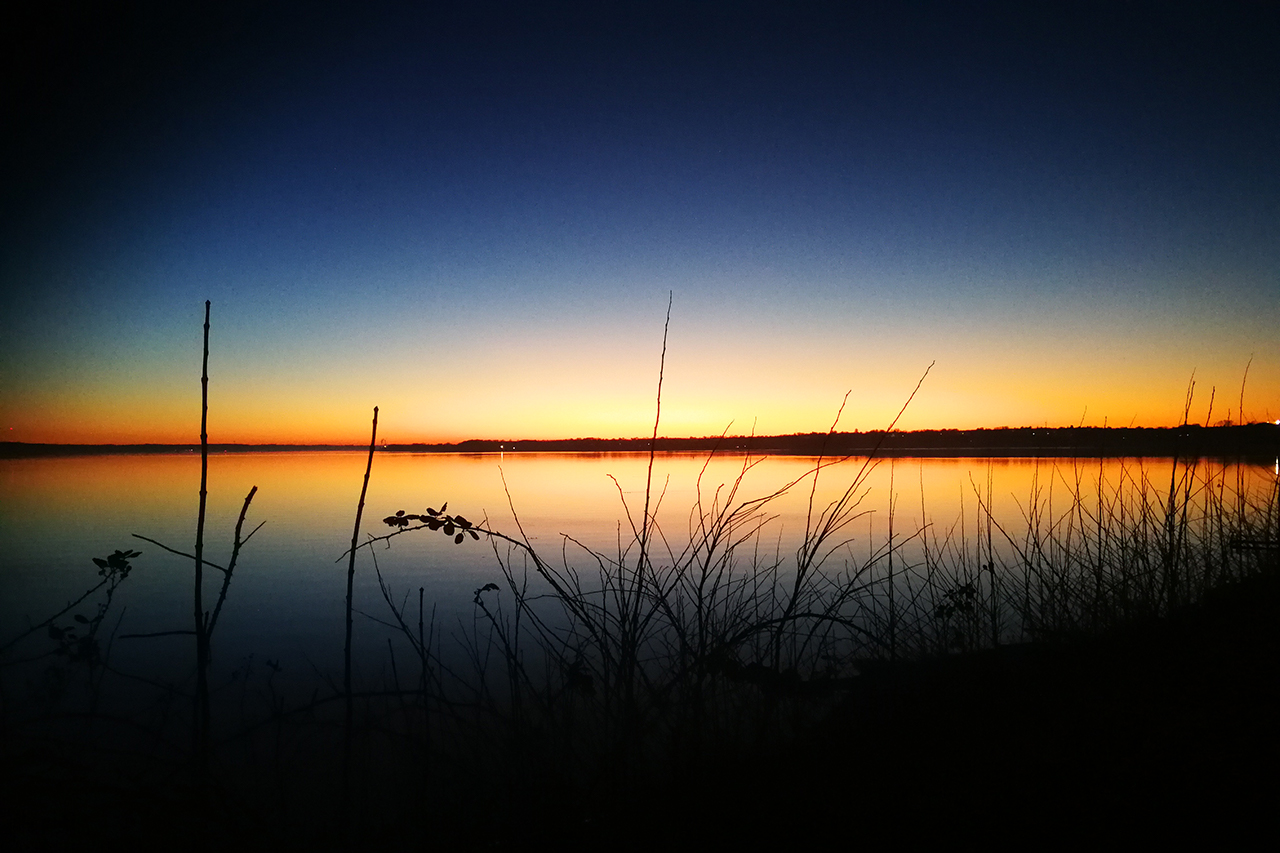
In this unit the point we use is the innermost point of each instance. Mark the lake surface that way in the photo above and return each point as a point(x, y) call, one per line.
point(286, 600)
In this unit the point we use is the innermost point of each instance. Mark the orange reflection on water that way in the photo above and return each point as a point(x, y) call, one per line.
point(58, 513)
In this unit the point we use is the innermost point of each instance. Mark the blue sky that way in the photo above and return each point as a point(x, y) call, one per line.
point(473, 219)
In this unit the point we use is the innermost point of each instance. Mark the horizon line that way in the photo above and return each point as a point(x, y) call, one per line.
point(707, 439)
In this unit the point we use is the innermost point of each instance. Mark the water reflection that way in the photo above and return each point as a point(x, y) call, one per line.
point(58, 513)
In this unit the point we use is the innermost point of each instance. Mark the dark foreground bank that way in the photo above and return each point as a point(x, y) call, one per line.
point(1162, 730)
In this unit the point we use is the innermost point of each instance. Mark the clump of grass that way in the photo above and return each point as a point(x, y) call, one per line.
point(622, 668)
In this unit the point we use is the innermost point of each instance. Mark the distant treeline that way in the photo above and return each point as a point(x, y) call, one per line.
point(1245, 440)
point(1251, 439)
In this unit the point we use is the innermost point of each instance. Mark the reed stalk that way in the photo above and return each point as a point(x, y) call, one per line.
point(200, 727)
point(348, 726)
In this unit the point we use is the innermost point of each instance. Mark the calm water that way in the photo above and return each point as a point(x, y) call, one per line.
point(286, 601)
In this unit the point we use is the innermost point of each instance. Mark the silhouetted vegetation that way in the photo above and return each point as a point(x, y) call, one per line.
point(692, 686)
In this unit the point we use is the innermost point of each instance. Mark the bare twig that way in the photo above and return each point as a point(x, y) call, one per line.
point(177, 552)
point(46, 623)
point(235, 554)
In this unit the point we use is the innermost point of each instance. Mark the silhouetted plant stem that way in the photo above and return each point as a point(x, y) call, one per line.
point(893, 613)
point(200, 732)
point(423, 652)
point(991, 566)
point(235, 554)
point(653, 442)
point(816, 545)
point(348, 725)
point(165, 547)
point(47, 622)
point(630, 652)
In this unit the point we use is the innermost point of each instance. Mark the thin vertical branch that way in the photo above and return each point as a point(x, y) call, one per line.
point(346, 677)
point(893, 616)
point(638, 590)
point(629, 610)
point(991, 566)
point(653, 443)
point(235, 555)
point(200, 733)
point(423, 653)
point(1240, 415)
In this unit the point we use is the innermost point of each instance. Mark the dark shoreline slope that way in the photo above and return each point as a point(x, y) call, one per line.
point(1261, 439)
point(1160, 730)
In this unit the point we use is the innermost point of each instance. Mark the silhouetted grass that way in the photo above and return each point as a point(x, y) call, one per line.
point(592, 694)
point(610, 673)
point(588, 677)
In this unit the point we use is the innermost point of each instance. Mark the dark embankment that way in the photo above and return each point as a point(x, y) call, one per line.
point(1157, 731)
point(1164, 730)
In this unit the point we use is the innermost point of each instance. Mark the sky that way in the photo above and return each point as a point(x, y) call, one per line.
point(474, 217)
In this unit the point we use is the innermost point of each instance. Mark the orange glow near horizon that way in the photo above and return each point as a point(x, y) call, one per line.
point(520, 411)
point(599, 380)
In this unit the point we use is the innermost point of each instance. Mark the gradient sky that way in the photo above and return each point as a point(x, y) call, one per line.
point(474, 219)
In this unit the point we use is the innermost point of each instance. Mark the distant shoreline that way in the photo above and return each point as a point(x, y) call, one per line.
point(1261, 439)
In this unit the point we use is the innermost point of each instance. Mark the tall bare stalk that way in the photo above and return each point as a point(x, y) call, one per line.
point(348, 725)
point(632, 631)
point(200, 729)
